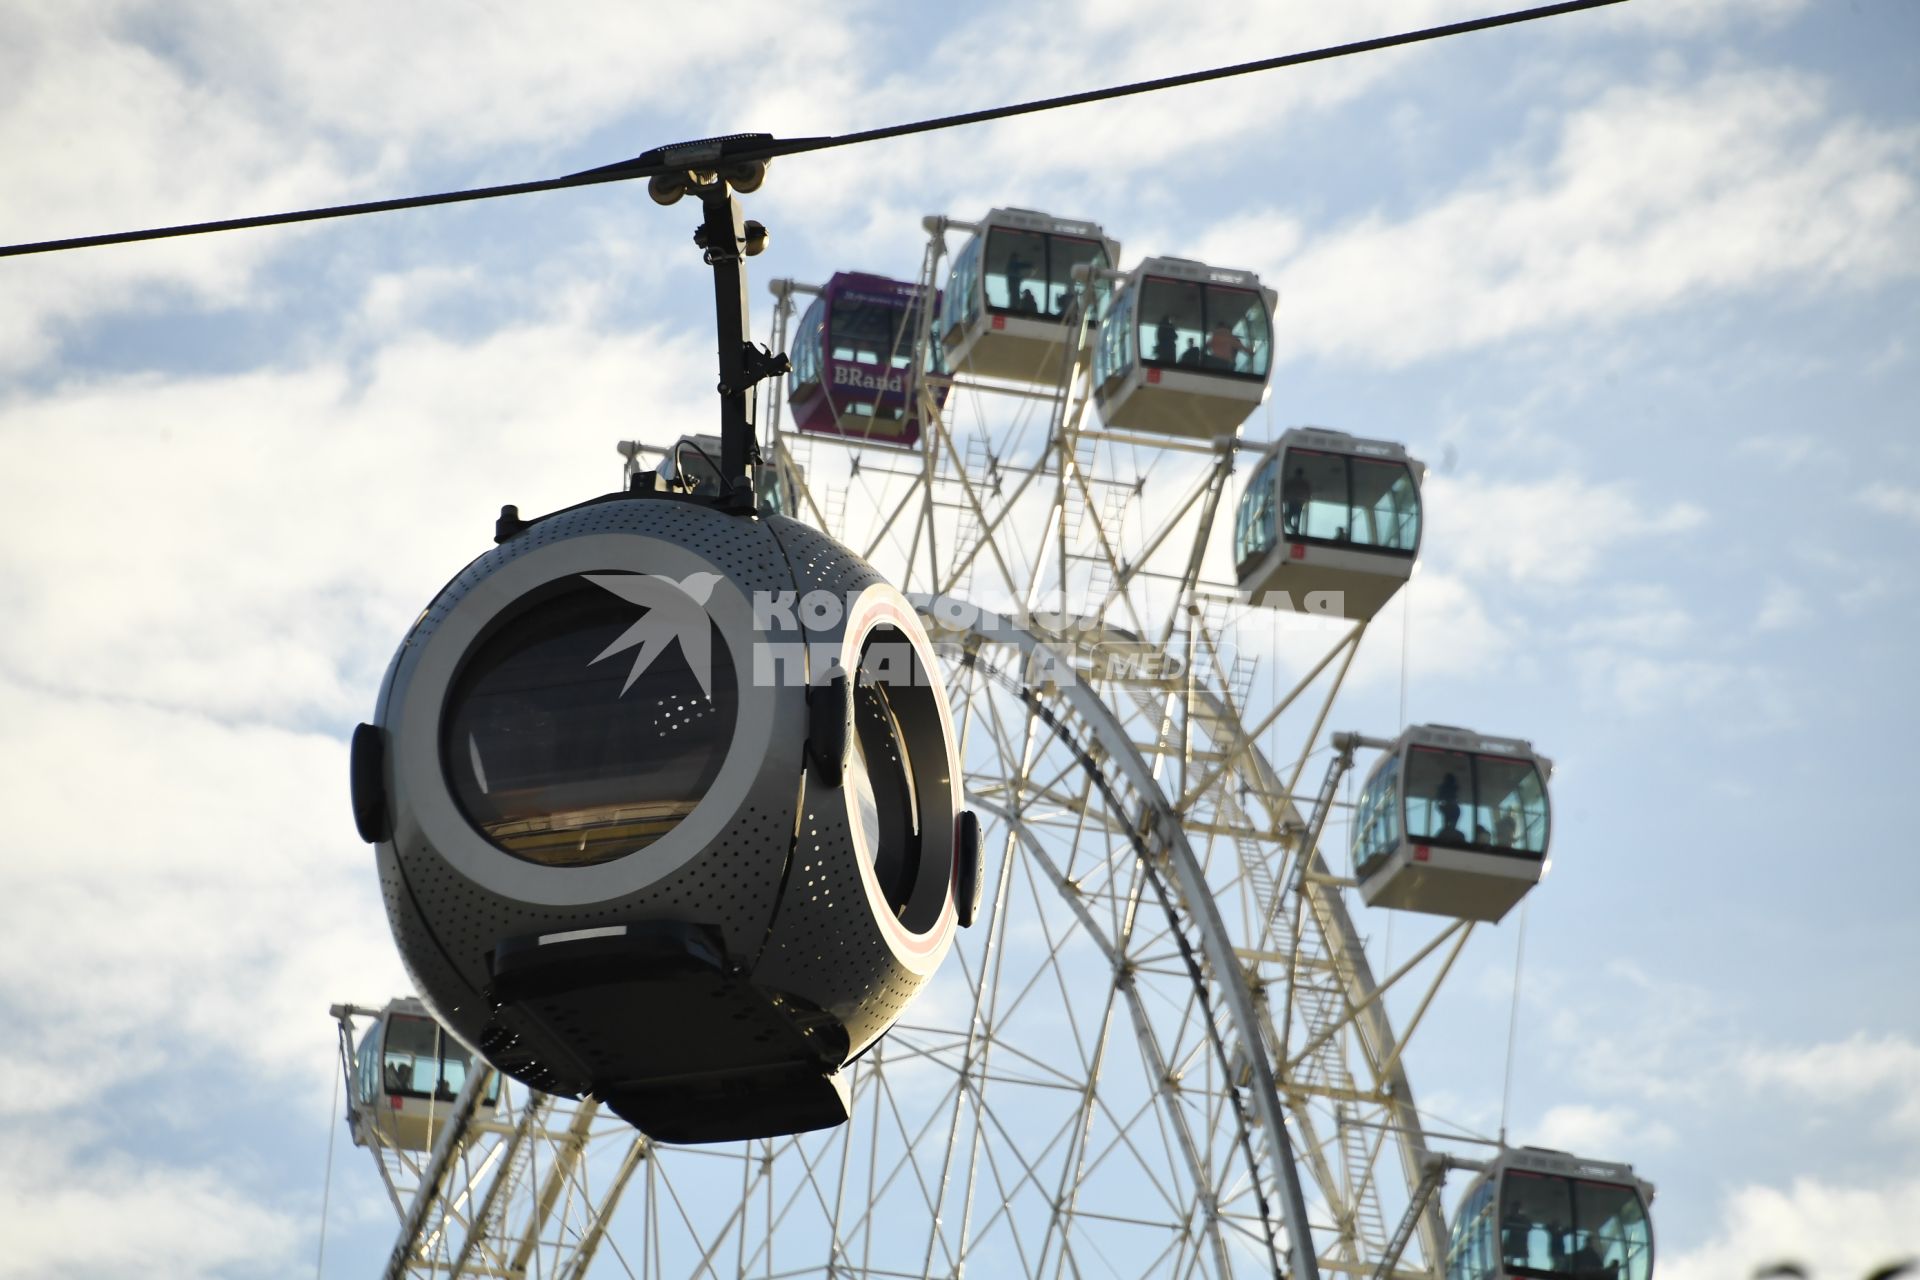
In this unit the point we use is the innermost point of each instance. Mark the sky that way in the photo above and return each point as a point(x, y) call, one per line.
point(1639, 285)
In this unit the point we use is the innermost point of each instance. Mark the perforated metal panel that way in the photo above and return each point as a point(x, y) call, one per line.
point(732, 887)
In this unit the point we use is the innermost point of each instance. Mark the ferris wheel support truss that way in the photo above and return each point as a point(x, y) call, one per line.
point(1304, 1090)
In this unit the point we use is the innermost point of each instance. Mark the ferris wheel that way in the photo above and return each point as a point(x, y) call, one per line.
point(1162, 1050)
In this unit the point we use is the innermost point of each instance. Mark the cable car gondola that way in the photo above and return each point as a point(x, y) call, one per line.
point(1452, 823)
point(664, 790)
point(852, 354)
point(407, 1072)
point(1011, 290)
point(1547, 1215)
point(1184, 350)
point(1329, 512)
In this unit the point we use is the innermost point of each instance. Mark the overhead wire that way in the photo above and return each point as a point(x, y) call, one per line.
point(746, 149)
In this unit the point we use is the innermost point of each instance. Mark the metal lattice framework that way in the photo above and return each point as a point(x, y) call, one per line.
point(1162, 1051)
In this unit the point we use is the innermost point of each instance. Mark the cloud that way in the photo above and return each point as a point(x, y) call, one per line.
point(1596, 1131)
point(1862, 1069)
point(1900, 501)
point(1657, 195)
point(1838, 1232)
point(1782, 607)
point(1549, 532)
point(83, 1212)
point(246, 546)
point(1694, 17)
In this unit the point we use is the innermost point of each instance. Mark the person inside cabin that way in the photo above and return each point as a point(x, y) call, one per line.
point(1447, 797)
point(1504, 831)
point(1294, 496)
point(1166, 341)
point(1018, 270)
point(1026, 302)
point(1586, 1263)
point(1223, 347)
point(1190, 358)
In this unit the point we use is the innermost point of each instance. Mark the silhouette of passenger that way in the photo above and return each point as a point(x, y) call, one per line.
point(1447, 796)
point(1295, 493)
point(1190, 357)
point(1165, 341)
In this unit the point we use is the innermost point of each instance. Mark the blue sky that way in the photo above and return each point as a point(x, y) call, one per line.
point(1639, 285)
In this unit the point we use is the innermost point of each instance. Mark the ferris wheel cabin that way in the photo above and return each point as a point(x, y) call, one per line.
point(1184, 350)
point(407, 1073)
point(1452, 823)
point(1004, 313)
point(852, 360)
point(1329, 512)
point(1547, 1215)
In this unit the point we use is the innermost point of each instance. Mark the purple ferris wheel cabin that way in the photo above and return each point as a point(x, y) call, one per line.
point(853, 359)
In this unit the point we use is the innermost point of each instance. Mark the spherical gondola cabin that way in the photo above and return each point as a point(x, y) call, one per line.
point(1452, 823)
point(407, 1073)
point(1547, 1215)
point(852, 355)
point(1184, 350)
point(667, 810)
point(1011, 290)
point(1326, 512)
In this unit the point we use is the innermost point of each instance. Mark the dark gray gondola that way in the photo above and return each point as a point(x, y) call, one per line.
point(1184, 350)
point(667, 809)
point(1329, 523)
point(1012, 286)
point(407, 1073)
point(1452, 823)
point(1537, 1214)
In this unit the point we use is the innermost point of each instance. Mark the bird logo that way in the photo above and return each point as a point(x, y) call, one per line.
point(675, 611)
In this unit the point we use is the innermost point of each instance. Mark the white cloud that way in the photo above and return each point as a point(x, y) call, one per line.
point(1861, 1069)
point(1693, 17)
point(1836, 1232)
point(235, 545)
point(1599, 1132)
point(83, 1212)
point(1902, 501)
point(1552, 532)
point(1657, 195)
point(1782, 607)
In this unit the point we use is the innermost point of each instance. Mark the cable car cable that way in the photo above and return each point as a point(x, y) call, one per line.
point(1513, 1020)
point(751, 148)
point(326, 1184)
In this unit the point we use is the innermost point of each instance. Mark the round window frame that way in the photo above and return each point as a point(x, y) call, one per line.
point(428, 812)
point(932, 739)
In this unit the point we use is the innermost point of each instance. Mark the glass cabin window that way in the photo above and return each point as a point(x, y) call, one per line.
point(873, 332)
point(962, 303)
point(1255, 523)
point(1016, 271)
point(1173, 323)
point(1377, 821)
point(1028, 273)
point(1471, 801)
point(1470, 1245)
point(1345, 500)
point(808, 340)
point(1386, 511)
point(368, 1082)
point(1113, 355)
point(1214, 328)
point(1559, 1226)
point(561, 748)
